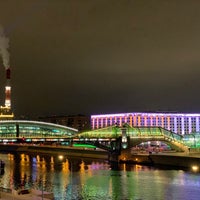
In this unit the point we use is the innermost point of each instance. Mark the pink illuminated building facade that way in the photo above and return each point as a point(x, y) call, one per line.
point(180, 123)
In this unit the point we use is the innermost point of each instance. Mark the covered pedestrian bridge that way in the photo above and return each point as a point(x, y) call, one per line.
point(110, 138)
point(134, 136)
point(33, 131)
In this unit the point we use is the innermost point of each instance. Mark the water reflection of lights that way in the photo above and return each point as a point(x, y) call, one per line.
point(124, 167)
point(38, 158)
point(52, 160)
point(24, 158)
point(82, 167)
point(10, 157)
point(65, 166)
point(52, 163)
point(138, 167)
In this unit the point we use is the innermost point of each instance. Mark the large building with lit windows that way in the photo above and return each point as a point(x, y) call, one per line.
point(180, 123)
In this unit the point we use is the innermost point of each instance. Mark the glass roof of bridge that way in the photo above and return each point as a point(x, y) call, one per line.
point(34, 128)
point(191, 140)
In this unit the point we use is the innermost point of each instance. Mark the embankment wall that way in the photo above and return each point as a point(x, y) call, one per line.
point(70, 151)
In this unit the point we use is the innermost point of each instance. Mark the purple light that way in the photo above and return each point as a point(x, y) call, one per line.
point(147, 114)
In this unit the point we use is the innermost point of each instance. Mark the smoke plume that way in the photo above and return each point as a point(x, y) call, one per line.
point(4, 45)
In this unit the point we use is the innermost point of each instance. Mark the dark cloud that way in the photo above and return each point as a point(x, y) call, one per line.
point(100, 56)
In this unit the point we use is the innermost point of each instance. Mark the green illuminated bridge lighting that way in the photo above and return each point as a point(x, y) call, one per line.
point(137, 135)
point(12, 130)
point(35, 131)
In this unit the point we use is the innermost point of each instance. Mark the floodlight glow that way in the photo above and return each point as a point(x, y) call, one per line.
point(60, 157)
point(195, 168)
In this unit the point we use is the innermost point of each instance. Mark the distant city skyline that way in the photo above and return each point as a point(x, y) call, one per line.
point(94, 57)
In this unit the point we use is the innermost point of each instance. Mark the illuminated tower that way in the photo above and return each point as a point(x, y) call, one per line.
point(5, 111)
point(8, 89)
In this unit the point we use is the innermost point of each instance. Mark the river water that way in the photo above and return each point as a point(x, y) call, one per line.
point(90, 179)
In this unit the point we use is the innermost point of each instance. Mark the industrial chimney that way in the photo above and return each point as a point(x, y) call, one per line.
point(8, 89)
point(5, 111)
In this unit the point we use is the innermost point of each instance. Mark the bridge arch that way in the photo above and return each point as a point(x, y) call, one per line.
point(137, 135)
point(144, 134)
point(174, 145)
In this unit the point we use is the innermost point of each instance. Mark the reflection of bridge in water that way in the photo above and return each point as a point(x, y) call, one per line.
point(113, 139)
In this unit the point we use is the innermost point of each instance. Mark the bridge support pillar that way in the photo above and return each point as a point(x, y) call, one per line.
point(113, 157)
point(124, 140)
point(125, 155)
point(115, 150)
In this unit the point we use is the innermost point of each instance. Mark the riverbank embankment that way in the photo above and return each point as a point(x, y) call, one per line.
point(64, 150)
point(172, 159)
point(175, 159)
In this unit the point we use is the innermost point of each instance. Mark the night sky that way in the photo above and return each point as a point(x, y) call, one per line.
point(102, 56)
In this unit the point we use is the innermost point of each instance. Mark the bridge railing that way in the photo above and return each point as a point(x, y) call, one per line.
point(192, 140)
point(144, 131)
point(108, 132)
point(156, 132)
point(171, 135)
